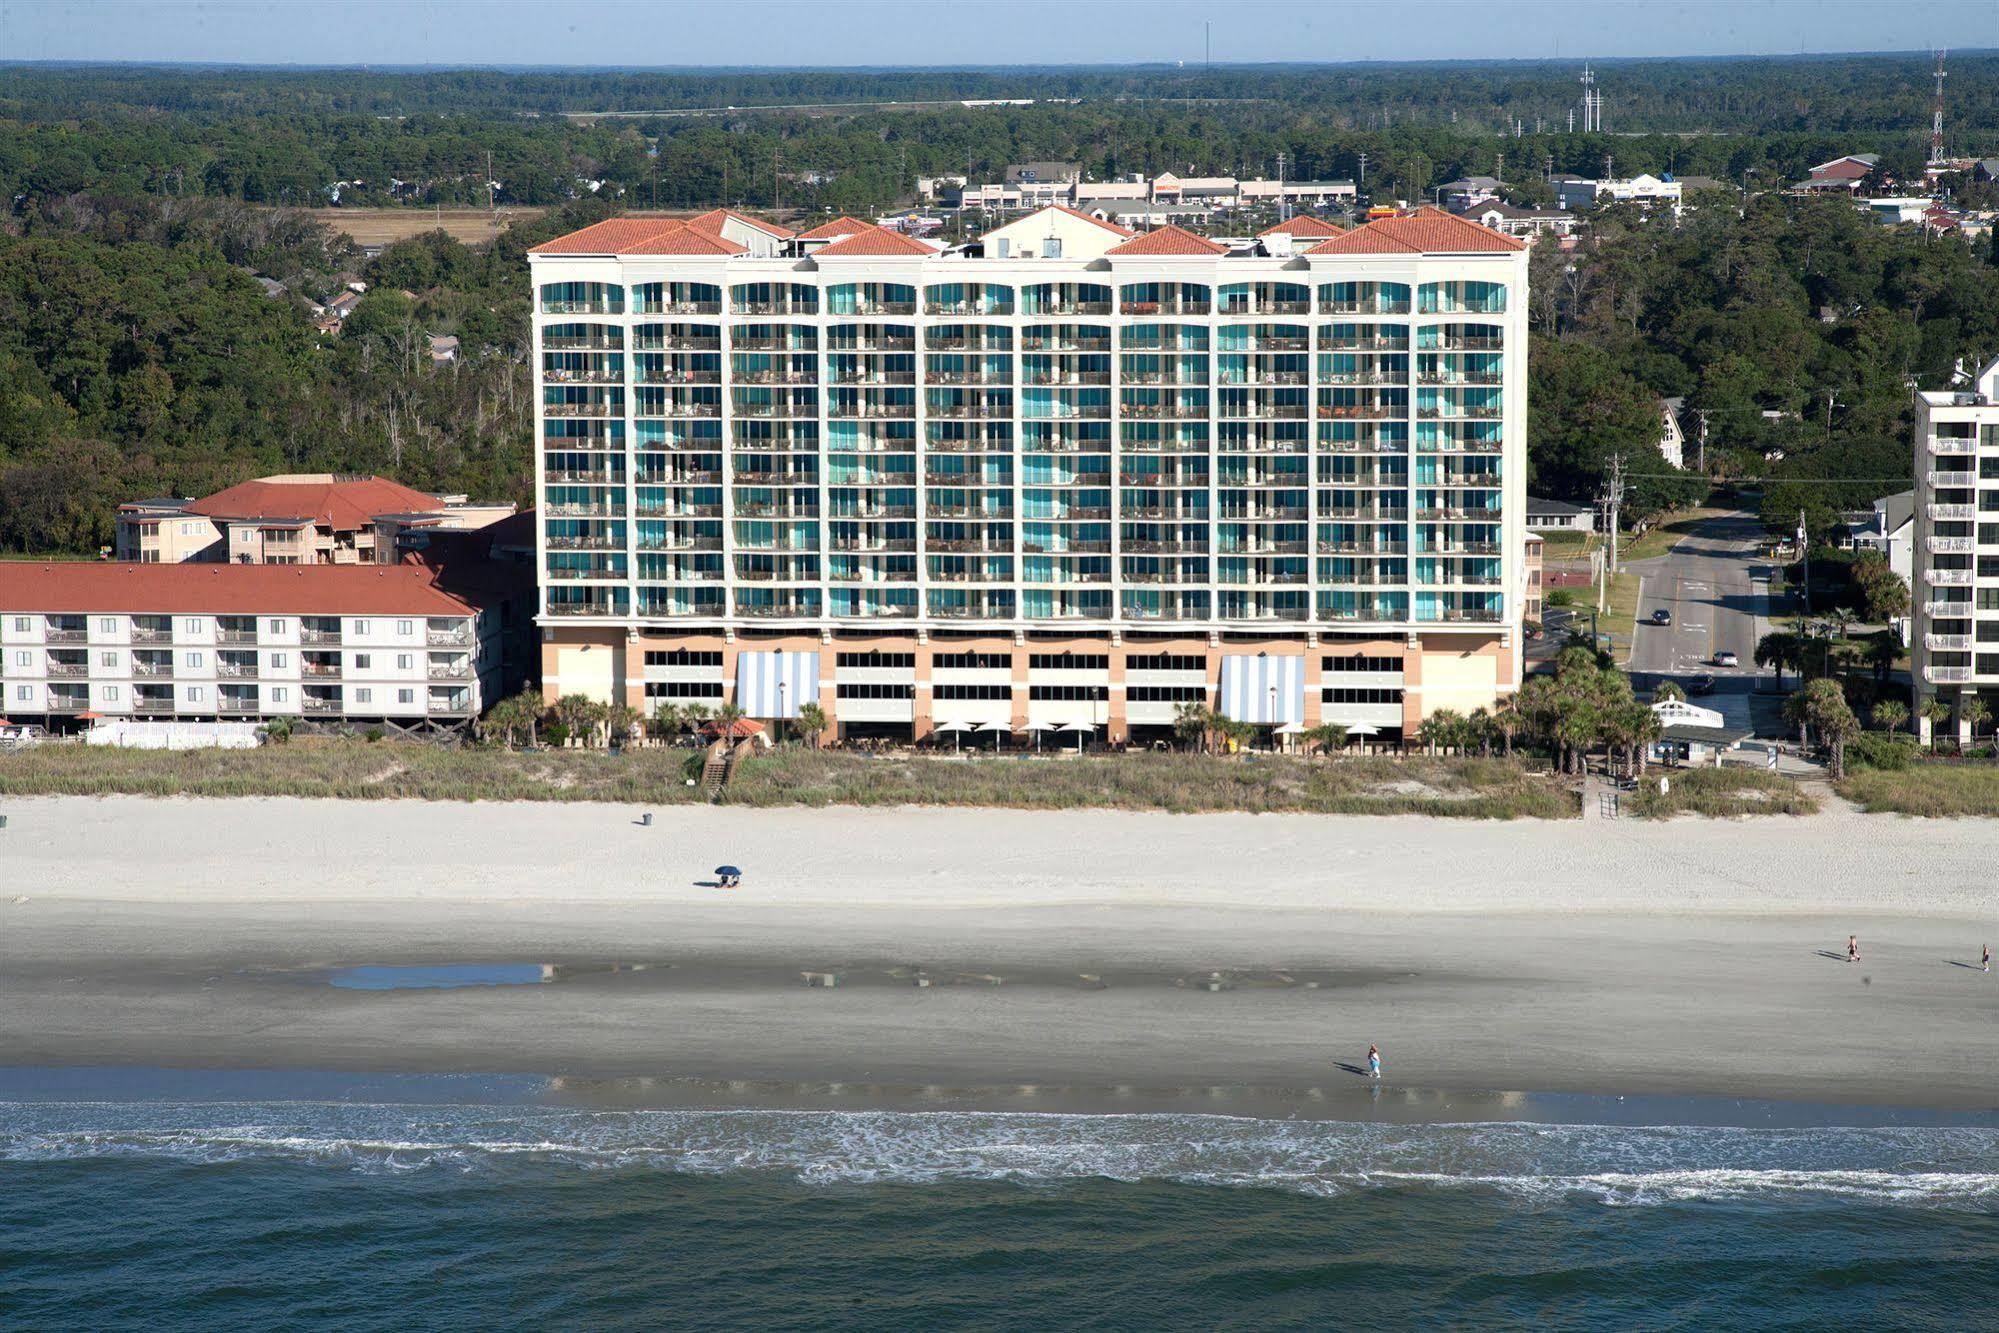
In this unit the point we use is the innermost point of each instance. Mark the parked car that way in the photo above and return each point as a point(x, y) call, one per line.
point(1662, 617)
point(1703, 684)
point(1727, 660)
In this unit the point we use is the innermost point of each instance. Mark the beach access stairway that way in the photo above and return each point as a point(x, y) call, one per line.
point(720, 765)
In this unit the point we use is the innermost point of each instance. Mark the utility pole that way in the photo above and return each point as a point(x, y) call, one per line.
point(492, 203)
point(1610, 499)
point(1363, 171)
point(1936, 116)
point(1805, 549)
point(1702, 413)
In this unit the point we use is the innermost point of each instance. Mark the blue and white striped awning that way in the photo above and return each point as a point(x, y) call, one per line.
point(1248, 684)
point(776, 684)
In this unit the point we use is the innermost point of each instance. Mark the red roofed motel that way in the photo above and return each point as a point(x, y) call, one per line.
point(308, 519)
point(209, 641)
point(1069, 476)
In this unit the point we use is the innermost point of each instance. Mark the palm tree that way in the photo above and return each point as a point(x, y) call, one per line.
point(1327, 737)
point(1442, 730)
point(1645, 730)
point(1935, 712)
point(1891, 714)
point(1975, 712)
point(1778, 649)
point(1824, 702)
point(812, 721)
point(578, 715)
point(1506, 721)
point(619, 719)
point(667, 719)
point(1192, 723)
point(1796, 710)
point(1577, 727)
point(1669, 690)
point(1478, 731)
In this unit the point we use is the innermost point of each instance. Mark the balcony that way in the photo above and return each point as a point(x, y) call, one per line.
point(146, 705)
point(1965, 479)
point(321, 670)
point(1940, 675)
point(151, 635)
point(328, 637)
point(450, 672)
point(1948, 578)
point(1950, 545)
point(60, 669)
point(151, 670)
point(64, 636)
point(444, 637)
point(237, 671)
point(1947, 610)
point(314, 706)
point(1952, 513)
point(241, 636)
point(582, 609)
point(1953, 447)
point(1947, 643)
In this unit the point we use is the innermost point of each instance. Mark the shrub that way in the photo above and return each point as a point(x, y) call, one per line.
point(556, 734)
point(1874, 750)
point(374, 734)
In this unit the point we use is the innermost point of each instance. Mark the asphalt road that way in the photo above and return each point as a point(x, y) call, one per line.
point(1715, 584)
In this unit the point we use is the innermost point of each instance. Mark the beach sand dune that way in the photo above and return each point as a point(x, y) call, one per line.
point(1060, 948)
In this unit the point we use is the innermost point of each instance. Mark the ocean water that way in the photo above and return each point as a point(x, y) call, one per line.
point(184, 1214)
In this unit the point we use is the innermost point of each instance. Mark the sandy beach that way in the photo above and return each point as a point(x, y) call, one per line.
point(1071, 951)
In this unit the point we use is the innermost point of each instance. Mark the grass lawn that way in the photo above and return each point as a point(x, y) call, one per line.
point(353, 768)
point(1719, 793)
point(1566, 545)
point(1934, 789)
point(1662, 537)
point(1620, 616)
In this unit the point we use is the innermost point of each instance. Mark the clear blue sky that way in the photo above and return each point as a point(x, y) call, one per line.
point(953, 32)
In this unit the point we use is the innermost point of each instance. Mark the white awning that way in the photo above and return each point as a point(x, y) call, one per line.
point(1263, 689)
point(776, 684)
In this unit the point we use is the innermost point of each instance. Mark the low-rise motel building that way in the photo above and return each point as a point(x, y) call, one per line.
point(1068, 476)
point(217, 642)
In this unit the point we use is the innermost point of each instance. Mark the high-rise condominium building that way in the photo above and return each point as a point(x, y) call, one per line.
point(1955, 592)
point(1068, 478)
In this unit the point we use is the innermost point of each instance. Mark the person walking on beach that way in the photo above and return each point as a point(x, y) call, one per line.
point(1852, 948)
point(1985, 963)
point(1373, 1061)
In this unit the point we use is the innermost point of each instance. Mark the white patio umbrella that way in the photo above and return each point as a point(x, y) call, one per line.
point(1081, 729)
point(1289, 729)
point(998, 729)
point(955, 728)
point(1037, 728)
point(1362, 729)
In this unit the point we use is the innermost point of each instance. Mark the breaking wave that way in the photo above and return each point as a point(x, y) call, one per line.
point(1530, 1163)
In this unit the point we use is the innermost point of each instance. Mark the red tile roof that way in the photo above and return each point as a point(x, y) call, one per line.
point(90, 587)
point(609, 237)
point(1303, 225)
point(1427, 231)
point(838, 227)
point(1169, 240)
point(342, 504)
point(685, 240)
point(875, 241)
point(711, 222)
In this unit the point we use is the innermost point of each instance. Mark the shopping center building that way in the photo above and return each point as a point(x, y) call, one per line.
point(1069, 476)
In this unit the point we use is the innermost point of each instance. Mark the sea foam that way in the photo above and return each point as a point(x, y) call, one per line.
point(1528, 1163)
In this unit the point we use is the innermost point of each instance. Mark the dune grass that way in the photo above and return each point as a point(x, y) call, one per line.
point(1181, 783)
point(1932, 789)
point(354, 769)
point(1719, 793)
point(351, 769)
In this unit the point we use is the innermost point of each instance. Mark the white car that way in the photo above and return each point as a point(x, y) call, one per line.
point(1727, 660)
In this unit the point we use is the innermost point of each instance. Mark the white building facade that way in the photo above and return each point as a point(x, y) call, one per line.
point(242, 643)
point(1037, 490)
point(1954, 636)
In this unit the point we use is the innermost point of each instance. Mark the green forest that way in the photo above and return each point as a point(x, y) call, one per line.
point(139, 355)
